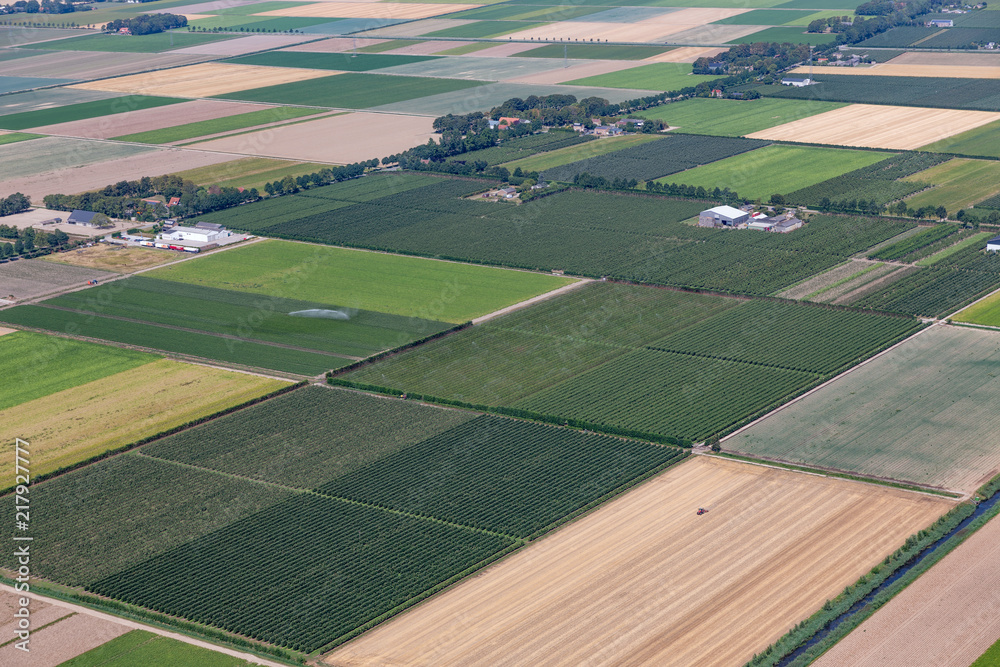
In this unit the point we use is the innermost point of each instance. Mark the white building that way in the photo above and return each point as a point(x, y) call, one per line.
point(722, 215)
point(993, 244)
point(797, 82)
point(193, 234)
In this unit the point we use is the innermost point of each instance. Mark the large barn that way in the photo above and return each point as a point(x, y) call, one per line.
point(722, 216)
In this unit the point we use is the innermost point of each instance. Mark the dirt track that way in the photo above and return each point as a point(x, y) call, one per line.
point(946, 618)
point(645, 581)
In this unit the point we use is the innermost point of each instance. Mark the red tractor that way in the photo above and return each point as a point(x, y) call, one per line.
point(702, 510)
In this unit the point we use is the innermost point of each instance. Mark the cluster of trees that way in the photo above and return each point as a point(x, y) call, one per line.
point(34, 7)
point(833, 22)
point(873, 207)
point(15, 203)
point(290, 185)
point(147, 24)
point(753, 60)
point(28, 241)
point(902, 14)
point(585, 180)
point(124, 198)
point(876, 8)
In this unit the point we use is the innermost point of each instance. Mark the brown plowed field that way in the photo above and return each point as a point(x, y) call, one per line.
point(644, 580)
point(946, 618)
point(578, 70)
point(879, 126)
point(243, 45)
point(341, 139)
point(373, 10)
point(144, 120)
point(335, 45)
point(204, 80)
point(979, 71)
point(685, 54)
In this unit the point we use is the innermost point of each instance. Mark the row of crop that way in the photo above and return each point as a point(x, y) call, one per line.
point(788, 335)
point(339, 566)
point(667, 393)
point(238, 351)
point(932, 292)
point(948, 241)
point(949, 93)
point(825, 234)
point(307, 438)
point(502, 475)
point(651, 160)
point(515, 149)
point(913, 243)
point(875, 183)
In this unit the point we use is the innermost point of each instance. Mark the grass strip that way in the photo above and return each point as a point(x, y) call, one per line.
point(203, 128)
point(952, 249)
point(823, 290)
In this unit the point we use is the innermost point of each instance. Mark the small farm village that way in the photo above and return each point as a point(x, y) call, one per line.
point(513, 332)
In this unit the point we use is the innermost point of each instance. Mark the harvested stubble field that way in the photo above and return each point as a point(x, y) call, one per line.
point(360, 137)
point(93, 65)
point(147, 120)
point(203, 80)
point(937, 71)
point(179, 134)
point(73, 179)
point(52, 154)
point(370, 10)
point(152, 43)
point(879, 126)
point(28, 278)
point(554, 602)
point(140, 647)
point(921, 413)
point(946, 618)
point(244, 45)
point(576, 69)
point(88, 419)
point(250, 172)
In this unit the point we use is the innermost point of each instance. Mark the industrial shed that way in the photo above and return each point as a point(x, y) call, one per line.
point(722, 216)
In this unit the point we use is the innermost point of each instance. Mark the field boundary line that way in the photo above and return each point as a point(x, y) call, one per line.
point(533, 300)
point(824, 384)
point(80, 609)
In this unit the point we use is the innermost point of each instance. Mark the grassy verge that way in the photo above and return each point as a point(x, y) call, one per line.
point(951, 250)
point(840, 475)
point(204, 128)
point(842, 281)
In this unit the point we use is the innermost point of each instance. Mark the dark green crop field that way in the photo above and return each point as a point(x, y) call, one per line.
point(352, 90)
point(345, 62)
point(981, 94)
point(82, 111)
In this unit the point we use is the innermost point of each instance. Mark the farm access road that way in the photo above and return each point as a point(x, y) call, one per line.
point(132, 625)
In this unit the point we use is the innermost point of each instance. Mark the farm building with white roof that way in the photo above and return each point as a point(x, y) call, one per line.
point(993, 244)
point(722, 215)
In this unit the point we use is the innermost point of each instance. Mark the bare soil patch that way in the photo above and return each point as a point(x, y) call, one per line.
point(144, 120)
point(422, 49)
point(359, 136)
point(71, 636)
point(826, 278)
point(203, 80)
point(373, 10)
point(858, 292)
point(504, 50)
point(117, 258)
point(92, 64)
point(685, 54)
point(879, 126)
point(578, 70)
point(892, 68)
point(71, 180)
point(644, 580)
point(943, 58)
point(244, 45)
point(336, 45)
point(946, 618)
point(28, 278)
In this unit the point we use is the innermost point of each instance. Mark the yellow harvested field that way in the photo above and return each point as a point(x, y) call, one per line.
point(946, 618)
point(646, 30)
point(879, 126)
point(203, 80)
point(893, 69)
point(685, 54)
point(341, 139)
point(695, 16)
point(644, 580)
point(374, 10)
point(117, 258)
point(579, 69)
point(77, 423)
point(335, 45)
point(945, 58)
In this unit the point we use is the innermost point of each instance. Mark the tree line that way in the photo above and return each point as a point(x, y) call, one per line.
point(147, 24)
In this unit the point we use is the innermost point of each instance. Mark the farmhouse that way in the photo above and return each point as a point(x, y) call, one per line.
point(796, 81)
point(941, 23)
point(765, 225)
point(84, 218)
point(993, 244)
point(722, 216)
point(607, 131)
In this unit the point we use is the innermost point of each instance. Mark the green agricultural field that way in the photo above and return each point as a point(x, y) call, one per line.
point(775, 169)
point(484, 29)
point(255, 8)
point(806, 18)
point(646, 384)
point(772, 17)
point(15, 137)
point(139, 506)
point(251, 172)
point(530, 350)
point(406, 286)
point(471, 47)
point(216, 125)
point(920, 413)
point(983, 140)
point(319, 434)
point(82, 111)
point(234, 23)
point(655, 76)
point(244, 315)
point(345, 62)
point(985, 312)
point(155, 43)
point(943, 254)
point(794, 35)
point(595, 51)
point(523, 147)
point(241, 351)
point(561, 156)
point(733, 118)
point(139, 647)
point(37, 365)
point(990, 658)
point(351, 90)
point(958, 184)
point(390, 45)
